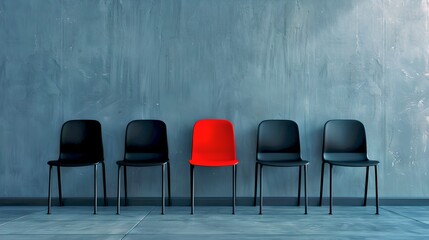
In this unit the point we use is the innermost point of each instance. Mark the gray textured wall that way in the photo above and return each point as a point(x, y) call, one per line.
point(184, 60)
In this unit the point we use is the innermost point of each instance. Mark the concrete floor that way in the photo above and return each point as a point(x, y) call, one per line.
point(214, 223)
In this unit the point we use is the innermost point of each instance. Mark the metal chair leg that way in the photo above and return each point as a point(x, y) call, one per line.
point(162, 190)
point(118, 196)
point(305, 188)
point(376, 190)
point(49, 190)
point(299, 187)
point(366, 187)
point(234, 182)
point(95, 188)
point(330, 189)
point(260, 189)
point(192, 189)
point(104, 183)
point(321, 184)
point(169, 184)
point(125, 187)
point(256, 184)
point(60, 194)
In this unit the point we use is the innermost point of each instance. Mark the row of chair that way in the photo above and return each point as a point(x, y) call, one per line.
point(213, 145)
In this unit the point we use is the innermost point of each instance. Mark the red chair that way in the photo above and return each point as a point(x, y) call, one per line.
point(213, 145)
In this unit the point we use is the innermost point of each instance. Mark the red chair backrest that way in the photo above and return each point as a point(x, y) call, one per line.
point(213, 140)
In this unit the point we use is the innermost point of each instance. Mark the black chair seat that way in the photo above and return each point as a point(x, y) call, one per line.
point(285, 163)
point(79, 163)
point(353, 163)
point(142, 163)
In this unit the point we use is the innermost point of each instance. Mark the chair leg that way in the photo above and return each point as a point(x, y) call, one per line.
point(192, 189)
point(321, 184)
point(299, 186)
point(162, 190)
point(169, 184)
point(60, 194)
point(234, 185)
point(49, 190)
point(260, 189)
point(104, 183)
point(125, 187)
point(95, 188)
point(376, 190)
point(256, 184)
point(366, 187)
point(330, 189)
point(305, 188)
point(118, 196)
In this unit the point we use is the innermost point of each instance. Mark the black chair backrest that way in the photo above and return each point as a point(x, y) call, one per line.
point(278, 140)
point(81, 141)
point(344, 140)
point(146, 140)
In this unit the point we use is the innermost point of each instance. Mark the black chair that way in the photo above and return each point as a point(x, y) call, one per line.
point(145, 146)
point(344, 145)
point(278, 146)
point(81, 144)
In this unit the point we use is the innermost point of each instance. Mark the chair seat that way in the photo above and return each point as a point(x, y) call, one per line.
point(142, 163)
point(213, 163)
point(72, 163)
point(365, 163)
point(283, 163)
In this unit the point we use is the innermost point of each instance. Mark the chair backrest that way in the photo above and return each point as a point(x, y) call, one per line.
point(344, 140)
point(213, 140)
point(146, 140)
point(81, 141)
point(278, 140)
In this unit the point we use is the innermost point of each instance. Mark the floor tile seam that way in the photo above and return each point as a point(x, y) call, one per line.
point(135, 225)
point(202, 234)
point(15, 219)
point(270, 234)
point(65, 234)
point(74, 220)
point(404, 216)
point(90, 215)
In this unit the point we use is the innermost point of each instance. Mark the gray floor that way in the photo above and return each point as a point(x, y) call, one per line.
point(214, 223)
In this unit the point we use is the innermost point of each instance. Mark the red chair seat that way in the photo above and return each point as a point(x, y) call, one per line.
point(214, 163)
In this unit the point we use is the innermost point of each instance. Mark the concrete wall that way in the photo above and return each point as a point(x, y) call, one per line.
point(243, 60)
